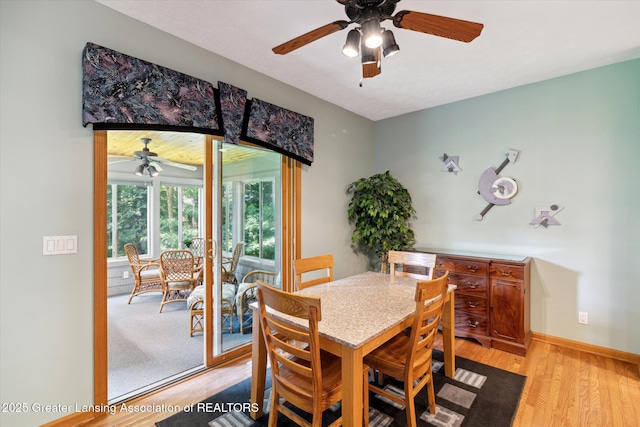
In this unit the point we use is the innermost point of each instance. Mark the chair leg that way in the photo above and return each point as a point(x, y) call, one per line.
point(164, 298)
point(410, 406)
point(133, 292)
point(273, 408)
point(431, 397)
point(197, 322)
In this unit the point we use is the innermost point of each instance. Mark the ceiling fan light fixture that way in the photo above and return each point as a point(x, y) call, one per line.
point(368, 55)
point(152, 170)
point(351, 46)
point(372, 33)
point(139, 170)
point(389, 45)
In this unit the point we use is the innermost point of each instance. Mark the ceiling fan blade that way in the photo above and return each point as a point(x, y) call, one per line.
point(156, 165)
point(113, 162)
point(372, 69)
point(456, 29)
point(309, 37)
point(174, 164)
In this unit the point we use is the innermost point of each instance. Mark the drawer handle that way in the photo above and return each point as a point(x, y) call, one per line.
point(471, 285)
point(472, 305)
point(473, 324)
point(472, 268)
point(505, 273)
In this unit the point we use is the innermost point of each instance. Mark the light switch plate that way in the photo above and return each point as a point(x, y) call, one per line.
point(59, 245)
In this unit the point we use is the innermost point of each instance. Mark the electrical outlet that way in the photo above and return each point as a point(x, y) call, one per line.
point(583, 317)
point(125, 274)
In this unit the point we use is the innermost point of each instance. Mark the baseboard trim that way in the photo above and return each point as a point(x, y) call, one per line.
point(74, 419)
point(589, 348)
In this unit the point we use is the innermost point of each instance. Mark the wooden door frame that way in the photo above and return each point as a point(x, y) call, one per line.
point(100, 337)
point(291, 237)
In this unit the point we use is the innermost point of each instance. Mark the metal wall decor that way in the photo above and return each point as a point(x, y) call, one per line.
point(451, 164)
point(545, 216)
point(497, 190)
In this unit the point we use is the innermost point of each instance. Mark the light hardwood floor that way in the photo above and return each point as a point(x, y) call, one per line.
point(564, 387)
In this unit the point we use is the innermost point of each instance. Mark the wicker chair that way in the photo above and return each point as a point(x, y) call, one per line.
point(408, 357)
point(195, 302)
point(229, 264)
point(247, 293)
point(145, 272)
point(179, 275)
point(198, 248)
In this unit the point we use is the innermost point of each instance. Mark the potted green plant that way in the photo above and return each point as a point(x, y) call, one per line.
point(381, 211)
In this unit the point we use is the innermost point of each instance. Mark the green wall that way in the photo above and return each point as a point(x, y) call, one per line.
point(579, 143)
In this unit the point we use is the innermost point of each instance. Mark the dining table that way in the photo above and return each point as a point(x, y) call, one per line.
point(359, 313)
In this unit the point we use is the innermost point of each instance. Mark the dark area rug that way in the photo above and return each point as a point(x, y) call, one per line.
point(478, 396)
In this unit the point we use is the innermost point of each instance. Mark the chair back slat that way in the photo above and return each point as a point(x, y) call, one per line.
point(322, 264)
point(412, 259)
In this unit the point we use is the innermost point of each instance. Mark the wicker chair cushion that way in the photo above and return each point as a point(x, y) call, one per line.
point(196, 297)
point(179, 283)
point(150, 274)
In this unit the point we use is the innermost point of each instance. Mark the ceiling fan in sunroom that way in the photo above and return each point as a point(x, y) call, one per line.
point(373, 42)
point(150, 162)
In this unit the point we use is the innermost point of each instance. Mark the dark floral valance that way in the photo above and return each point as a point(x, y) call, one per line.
point(280, 129)
point(232, 103)
point(122, 91)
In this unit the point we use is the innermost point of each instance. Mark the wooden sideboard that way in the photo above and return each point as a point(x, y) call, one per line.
point(492, 299)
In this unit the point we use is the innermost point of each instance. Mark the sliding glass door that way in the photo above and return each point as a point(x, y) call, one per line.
point(247, 224)
point(165, 191)
point(155, 203)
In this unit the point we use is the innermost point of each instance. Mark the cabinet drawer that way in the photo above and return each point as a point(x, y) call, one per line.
point(462, 266)
point(469, 284)
point(469, 323)
point(471, 304)
point(507, 272)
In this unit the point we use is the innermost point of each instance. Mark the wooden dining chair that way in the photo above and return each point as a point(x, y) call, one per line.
point(408, 357)
point(310, 265)
point(418, 265)
point(146, 273)
point(302, 374)
point(179, 275)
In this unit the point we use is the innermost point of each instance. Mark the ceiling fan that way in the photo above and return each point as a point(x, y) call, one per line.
point(151, 162)
point(371, 41)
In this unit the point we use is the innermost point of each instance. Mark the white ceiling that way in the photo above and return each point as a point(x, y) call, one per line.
point(522, 42)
